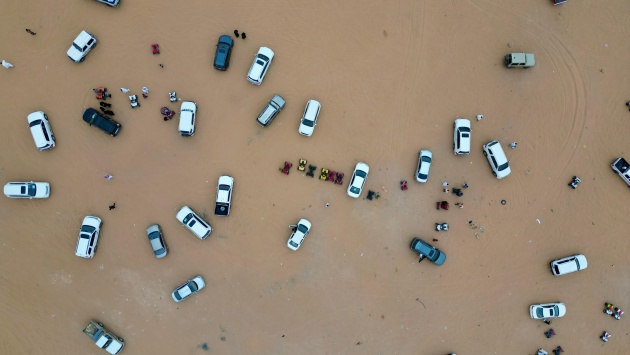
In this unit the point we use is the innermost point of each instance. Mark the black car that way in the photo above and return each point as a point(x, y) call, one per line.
point(224, 50)
point(103, 123)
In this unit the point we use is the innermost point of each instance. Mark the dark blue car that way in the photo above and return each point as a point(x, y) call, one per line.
point(224, 50)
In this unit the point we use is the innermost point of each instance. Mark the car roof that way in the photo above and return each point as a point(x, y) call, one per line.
point(311, 109)
point(83, 38)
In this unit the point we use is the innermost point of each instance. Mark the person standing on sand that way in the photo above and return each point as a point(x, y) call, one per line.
point(108, 177)
point(244, 35)
point(236, 33)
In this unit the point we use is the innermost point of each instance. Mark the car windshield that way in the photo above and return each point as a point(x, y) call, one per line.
point(263, 57)
point(193, 286)
point(422, 176)
point(154, 235)
point(426, 159)
point(464, 129)
point(539, 312)
point(187, 110)
point(361, 173)
point(32, 189)
point(503, 167)
point(224, 187)
point(35, 123)
point(355, 190)
point(293, 244)
point(187, 218)
point(302, 228)
point(87, 229)
point(77, 47)
point(307, 122)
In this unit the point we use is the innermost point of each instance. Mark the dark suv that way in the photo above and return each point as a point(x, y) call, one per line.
point(427, 251)
point(103, 123)
point(224, 50)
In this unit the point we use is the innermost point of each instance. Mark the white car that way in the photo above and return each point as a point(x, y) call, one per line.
point(359, 175)
point(261, 64)
point(223, 203)
point(568, 265)
point(27, 189)
point(81, 46)
point(309, 119)
point(194, 223)
point(425, 158)
point(189, 288)
point(88, 237)
point(299, 233)
point(40, 130)
point(499, 163)
point(461, 136)
point(187, 114)
point(547, 310)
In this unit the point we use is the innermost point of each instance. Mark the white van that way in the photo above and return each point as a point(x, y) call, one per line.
point(568, 265)
point(40, 130)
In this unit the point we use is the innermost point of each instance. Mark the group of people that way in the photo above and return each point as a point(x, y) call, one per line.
point(556, 351)
point(613, 311)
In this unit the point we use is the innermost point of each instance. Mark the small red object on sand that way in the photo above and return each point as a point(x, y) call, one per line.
point(403, 185)
point(156, 48)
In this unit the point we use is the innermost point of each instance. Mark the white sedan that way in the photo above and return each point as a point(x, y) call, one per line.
point(424, 165)
point(189, 288)
point(547, 310)
point(187, 114)
point(299, 233)
point(359, 176)
point(27, 189)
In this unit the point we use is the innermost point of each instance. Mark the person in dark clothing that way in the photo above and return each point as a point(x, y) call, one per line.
point(244, 35)
point(236, 33)
point(103, 109)
point(111, 207)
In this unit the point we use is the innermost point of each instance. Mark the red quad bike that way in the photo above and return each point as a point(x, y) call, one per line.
point(156, 48)
point(166, 112)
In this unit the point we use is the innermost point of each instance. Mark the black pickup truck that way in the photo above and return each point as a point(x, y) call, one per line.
point(104, 123)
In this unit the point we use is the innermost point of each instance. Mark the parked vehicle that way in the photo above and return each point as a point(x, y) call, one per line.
point(547, 310)
point(111, 3)
point(621, 167)
point(156, 239)
point(223, 53)
point(189, 288)
point(187, 114)
point(425, 250)
point(103, 338)
point(499, 163)
point(558, 2)
point(300, 232)
point(461, 136)
point(194, 223)
point(425, 158)
point(104, 123)
point(309, 119)
point(81, 46)
point(260, 66)
point(88, 237)
point(224, 196)
point(41, 131)
point(27, 189)
point(519, 60)
point(568, 265)
point(359, 175)
point(273, 108)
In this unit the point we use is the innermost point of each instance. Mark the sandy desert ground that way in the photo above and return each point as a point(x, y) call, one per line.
point(391, 76)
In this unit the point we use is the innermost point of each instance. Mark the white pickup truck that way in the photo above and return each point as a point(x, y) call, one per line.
point(621, 167)
point(103, 338)
point(224, 196)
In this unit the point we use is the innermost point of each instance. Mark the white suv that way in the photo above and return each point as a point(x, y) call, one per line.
point(194, 223)
point(41, 131)
point(261, 64)
point(309, 119)
point(461, 136)
point(81, 46)
point(499, 163)
point(88, 237)
point(299, 233)
point(568, 265)
point(27, 189)
point(187, 114)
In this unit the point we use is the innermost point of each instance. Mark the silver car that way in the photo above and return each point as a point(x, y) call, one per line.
point(156, 238)
point(189, 288)
point(273, 108)
point(27, 189)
